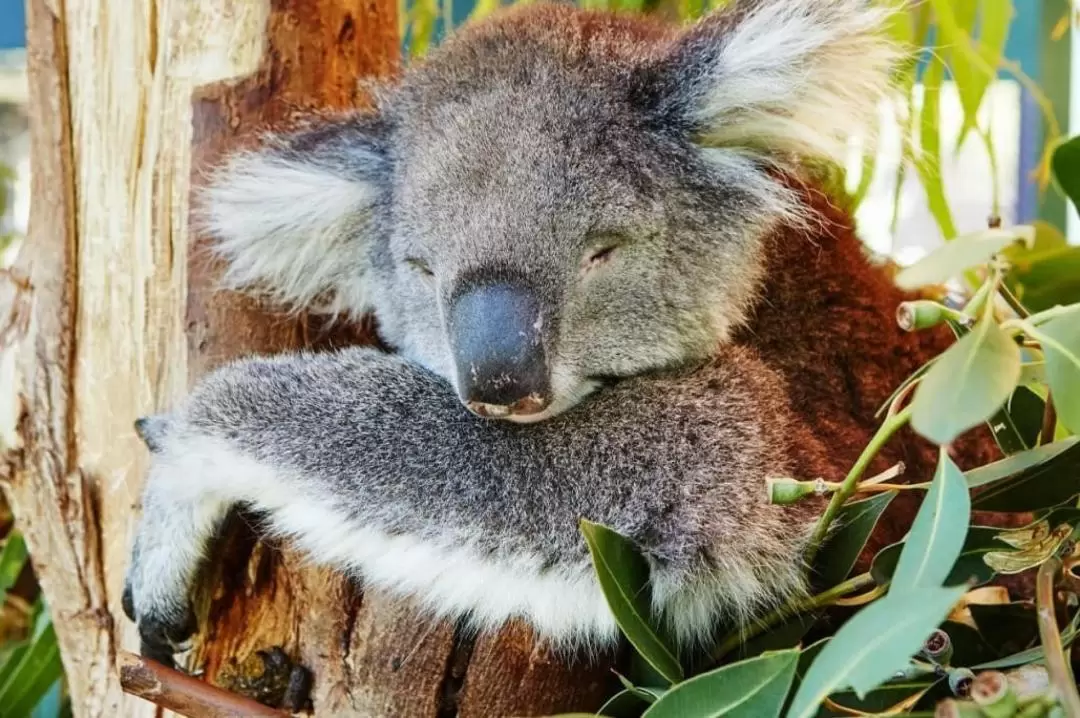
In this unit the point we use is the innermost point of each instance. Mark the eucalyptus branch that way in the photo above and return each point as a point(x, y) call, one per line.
point(893, 423)
point(793, 608)
point(1057, 665)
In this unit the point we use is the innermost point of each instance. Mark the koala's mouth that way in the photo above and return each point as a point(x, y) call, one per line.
point(534, 407)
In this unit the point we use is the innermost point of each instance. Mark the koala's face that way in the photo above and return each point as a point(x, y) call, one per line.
point(554, 198)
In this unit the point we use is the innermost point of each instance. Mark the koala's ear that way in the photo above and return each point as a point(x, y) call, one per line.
point(784, 79)
point(294, 218)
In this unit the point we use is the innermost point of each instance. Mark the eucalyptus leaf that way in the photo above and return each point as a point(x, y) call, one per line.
point(855, 521)
point(38, 668)
point(1008, 627)
point(928, 163)
point(968, 384)
point(754, 688)
point(1016, 426)
point(880, 699)
point(1037, 478)
point(969, 567)
point(1046, 278)
point(624, 704)
point(874, 645)
point(939, 530)
point(952, 258)
point(12, 561)
point(995, 17)
point(1065, 164)
point(624, 578)
point(1060, 339)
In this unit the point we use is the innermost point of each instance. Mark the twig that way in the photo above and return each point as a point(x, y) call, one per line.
point(1057, 665)
point(179, 692)
point(891, 473)
point(890, 426)
point(1013, 302)
point(821, 600)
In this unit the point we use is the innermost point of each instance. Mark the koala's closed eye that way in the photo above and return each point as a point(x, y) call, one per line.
point(421, 267)
point(601, 254)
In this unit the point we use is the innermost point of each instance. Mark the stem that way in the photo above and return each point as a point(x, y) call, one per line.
point(1013, 302)
point(1057, 666)
point(821, 600)
point(865, 488)
point(890, 426)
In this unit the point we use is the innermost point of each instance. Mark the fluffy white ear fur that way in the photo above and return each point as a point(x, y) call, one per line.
point(792, 77)
point(295, 225)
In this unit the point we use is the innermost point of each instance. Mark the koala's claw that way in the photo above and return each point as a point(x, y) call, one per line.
point(162, 634)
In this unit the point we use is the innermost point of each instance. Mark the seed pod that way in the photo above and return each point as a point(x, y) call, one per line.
point(920, 314)
point(938, 647)
point(960, 682)
point(991, 690)
point(789, 491)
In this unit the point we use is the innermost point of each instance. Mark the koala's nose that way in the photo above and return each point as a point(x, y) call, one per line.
point(496, 335)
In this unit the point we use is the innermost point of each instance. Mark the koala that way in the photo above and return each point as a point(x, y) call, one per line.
point(612, 291)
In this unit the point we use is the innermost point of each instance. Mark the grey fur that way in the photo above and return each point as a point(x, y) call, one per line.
point(512, 154)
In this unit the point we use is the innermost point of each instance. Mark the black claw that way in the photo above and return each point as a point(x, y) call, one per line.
point(128, 603)
point(156, 651)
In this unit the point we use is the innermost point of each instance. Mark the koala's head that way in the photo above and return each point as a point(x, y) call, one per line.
point(555, 197)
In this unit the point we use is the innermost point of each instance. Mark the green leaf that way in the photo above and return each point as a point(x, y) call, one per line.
point(876, 643)
point(754, 688)
point(969, 566)
point(1031, 480)
point(1016, 426)
point(881, 699)
point(972, 82)
point(1008, 628)
point(624, 578)
point(952, 258)
point(1065, 165)
point(969, 647)
point(1045, 277)
point(928, 164)
point(855, 520)
point(938, 533)
point(12, 560)
point(1060, 340)
point(38, 669)
point(1031, 655)
point(968, 383)
point(626, 703)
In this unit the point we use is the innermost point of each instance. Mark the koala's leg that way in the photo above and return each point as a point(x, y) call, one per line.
point(371, 464)
point(181, 512)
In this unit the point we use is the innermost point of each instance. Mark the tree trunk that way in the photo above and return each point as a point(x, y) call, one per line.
point(131, 100)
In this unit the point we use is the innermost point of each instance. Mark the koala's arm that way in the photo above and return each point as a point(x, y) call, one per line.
point(371, 464)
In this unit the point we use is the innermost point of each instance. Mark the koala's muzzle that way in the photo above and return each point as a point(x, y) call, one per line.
point(496, 336)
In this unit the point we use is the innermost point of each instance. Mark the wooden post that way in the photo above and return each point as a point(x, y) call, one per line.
point(131, 100)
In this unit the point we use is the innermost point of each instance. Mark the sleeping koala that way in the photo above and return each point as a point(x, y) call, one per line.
point(610, 295)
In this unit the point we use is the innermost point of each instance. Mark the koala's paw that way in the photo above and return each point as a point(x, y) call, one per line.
point(165, 625)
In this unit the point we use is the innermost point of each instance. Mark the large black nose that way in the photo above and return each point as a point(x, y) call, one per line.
point(496, 335)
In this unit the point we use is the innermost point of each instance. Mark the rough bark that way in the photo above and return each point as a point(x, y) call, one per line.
point(131, 100)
